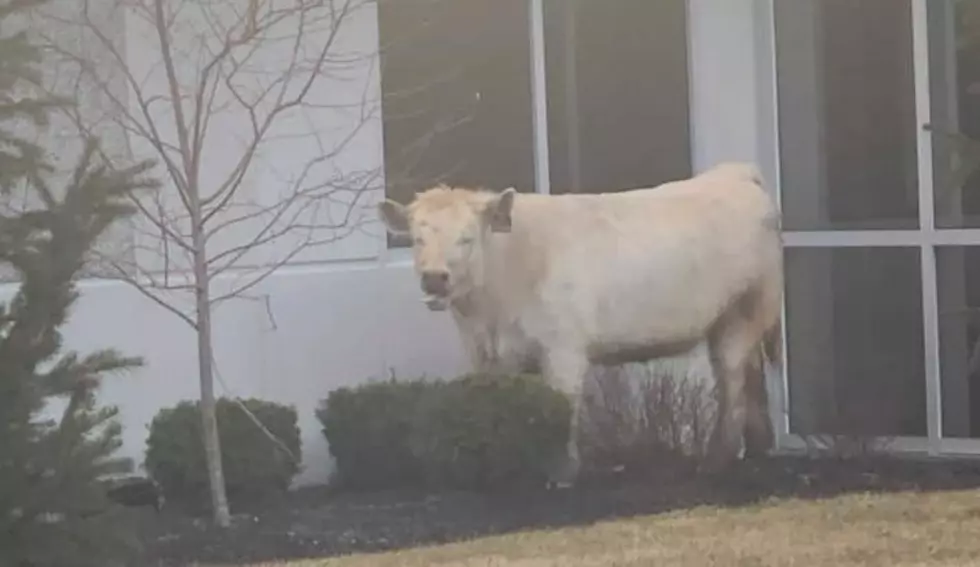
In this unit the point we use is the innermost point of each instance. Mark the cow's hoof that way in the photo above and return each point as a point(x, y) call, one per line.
point(564, 474)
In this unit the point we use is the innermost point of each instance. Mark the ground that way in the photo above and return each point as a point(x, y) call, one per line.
point(767, 512)
point(901, 529)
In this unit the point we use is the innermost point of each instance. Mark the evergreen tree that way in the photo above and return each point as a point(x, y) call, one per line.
point(53, 509)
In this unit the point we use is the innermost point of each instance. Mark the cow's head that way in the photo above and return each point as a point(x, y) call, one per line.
point(449, 230)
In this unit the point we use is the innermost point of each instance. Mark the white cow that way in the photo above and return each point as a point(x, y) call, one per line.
point(558, 282)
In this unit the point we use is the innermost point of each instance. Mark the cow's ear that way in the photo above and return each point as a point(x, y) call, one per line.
point(499, 209)
point(395, 216)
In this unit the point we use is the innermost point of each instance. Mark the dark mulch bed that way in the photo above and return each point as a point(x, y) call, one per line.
point(316, 522)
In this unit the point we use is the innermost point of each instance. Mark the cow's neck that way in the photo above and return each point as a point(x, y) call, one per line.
point(487, 332)
point(489, 303)
point(488, 315)
point(479, 311)
point(473, 305)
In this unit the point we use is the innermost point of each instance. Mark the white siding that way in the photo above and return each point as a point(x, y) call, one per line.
point(334, 325)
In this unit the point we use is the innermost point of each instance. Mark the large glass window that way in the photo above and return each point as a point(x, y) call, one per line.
point(954, 64)
point(847, 124)
point(954, 69)
point(848, 135)
point(618, 93)
point(457, 107)
point(855, 349)
point(456, 87)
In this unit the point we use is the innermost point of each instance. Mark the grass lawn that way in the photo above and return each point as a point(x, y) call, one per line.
point(904, 529)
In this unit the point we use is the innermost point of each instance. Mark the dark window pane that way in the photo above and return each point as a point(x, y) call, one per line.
point(456, 82)
point(854, 349)
point(958, 282)
point(954, 69)
point(617, 81)
point(847, 123)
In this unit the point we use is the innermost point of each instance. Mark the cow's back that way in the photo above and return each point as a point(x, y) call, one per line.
point(625, 270)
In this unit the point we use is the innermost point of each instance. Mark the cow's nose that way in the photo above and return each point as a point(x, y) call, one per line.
point(435, 282)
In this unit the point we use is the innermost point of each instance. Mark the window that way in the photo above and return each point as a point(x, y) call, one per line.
point(954, 64)
point(958, 269)
point(855, 345)
point(457, 107)
point(618, 99)
point(847, 115)
point(848, 136)
point(456, 87)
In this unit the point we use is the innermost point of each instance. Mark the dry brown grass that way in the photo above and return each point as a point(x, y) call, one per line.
point(907, 529)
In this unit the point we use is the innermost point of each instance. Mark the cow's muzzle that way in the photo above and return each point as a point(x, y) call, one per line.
point(435, 284)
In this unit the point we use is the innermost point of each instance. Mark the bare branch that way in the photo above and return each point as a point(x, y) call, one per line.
point(203, 113)
point(310, 194)
point(159, 221)
point(122, 274)
point(272, 268)
point(178, 108)
point(149, 130)
point(228, 189)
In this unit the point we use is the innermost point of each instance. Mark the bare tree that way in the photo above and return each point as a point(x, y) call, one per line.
point(254, 109)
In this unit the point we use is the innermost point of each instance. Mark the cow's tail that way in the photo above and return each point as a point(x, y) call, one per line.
point(772, 343)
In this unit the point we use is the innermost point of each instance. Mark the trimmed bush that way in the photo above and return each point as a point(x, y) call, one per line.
point(493, 430)
point(254, 465)
point(369, 429)
point(478, 431)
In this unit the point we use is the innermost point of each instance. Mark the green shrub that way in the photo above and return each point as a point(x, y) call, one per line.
point(476, 431)
point(369, 430)
point(254, 465)
point(493, 430)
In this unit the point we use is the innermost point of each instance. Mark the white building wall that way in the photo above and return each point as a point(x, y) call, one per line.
point(334, 325)
point(352, 312)
point(732, 95)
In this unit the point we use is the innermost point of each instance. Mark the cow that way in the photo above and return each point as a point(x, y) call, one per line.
point(557, 283)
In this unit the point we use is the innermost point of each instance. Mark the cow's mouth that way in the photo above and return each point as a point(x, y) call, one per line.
point(436, 302)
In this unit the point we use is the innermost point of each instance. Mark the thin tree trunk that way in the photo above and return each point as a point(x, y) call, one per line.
point(205, 355)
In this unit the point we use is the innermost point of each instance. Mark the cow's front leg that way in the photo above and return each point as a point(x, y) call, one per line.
point(566, 371)
point(479, 346)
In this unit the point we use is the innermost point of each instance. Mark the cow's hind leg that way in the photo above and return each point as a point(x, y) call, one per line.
point(733, 342)
point(725, 442)
point(758, 432)
point(566, 371)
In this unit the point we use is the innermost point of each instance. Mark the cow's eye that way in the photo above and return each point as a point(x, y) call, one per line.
point(466, 241)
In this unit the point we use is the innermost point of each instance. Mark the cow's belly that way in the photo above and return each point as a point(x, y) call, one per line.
point(654, 314)
point(650, 330)
point(614, 354)
point(632, 327)
point(646, 320)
